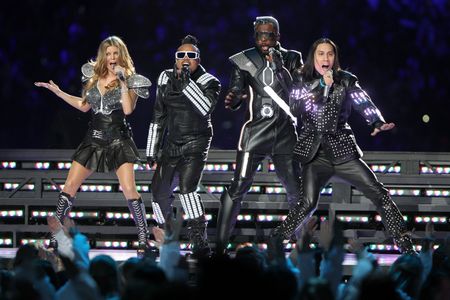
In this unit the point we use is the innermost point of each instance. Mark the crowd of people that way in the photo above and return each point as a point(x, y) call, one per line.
point(251, 273)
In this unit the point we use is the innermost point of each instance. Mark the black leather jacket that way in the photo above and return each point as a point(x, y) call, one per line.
point(183, 112)
point(268, 129)
point(324, 121)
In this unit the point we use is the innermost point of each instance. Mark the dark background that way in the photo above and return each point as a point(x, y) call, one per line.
point(398, 49)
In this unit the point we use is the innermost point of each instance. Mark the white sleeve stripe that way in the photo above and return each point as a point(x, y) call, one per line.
point(201, 96)
point(163, 78)
point(192, 93)
point(205, 78)
point(194, 101)
point(151, 140)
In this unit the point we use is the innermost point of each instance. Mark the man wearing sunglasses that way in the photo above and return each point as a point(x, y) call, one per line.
point(185, 98)
point(262, 77)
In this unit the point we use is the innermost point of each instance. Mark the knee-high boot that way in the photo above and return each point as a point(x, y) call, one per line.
point(395, 225)
point(196, 223)
point(226, 219)
point(198, 236)
point(63, 208)
point(294, 220)
point(137, 209)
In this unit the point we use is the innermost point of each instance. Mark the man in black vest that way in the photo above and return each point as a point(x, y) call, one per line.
point(261, 77)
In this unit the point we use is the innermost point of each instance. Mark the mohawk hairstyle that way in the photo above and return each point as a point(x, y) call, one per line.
point(189, 39)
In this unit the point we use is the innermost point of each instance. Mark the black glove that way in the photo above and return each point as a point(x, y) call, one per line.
point(277, 59)
point(185, 75)
point(151, 161)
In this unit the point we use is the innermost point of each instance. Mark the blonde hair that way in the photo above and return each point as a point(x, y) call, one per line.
point(100, 67)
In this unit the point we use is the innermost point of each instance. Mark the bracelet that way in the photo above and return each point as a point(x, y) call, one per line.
point(322, 82)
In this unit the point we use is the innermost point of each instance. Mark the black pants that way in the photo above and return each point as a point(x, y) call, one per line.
point(316, 174)
point(287, 170)
point(187, 168)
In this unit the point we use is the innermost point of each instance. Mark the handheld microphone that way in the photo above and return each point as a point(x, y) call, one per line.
point(326, 89)
point(119, 73)
point(185, 67)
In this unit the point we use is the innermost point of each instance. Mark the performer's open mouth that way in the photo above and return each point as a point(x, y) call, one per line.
point(265, 48)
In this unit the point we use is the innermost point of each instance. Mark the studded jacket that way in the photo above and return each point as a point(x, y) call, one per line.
point(267, 129)
point(182, 112)
point(324, 121)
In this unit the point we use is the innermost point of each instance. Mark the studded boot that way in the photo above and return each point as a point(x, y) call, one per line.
point(294, 220)
point(395, 224)
point(197, 235)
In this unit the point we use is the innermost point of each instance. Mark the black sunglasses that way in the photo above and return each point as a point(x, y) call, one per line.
point(268, 35)
point(189, 54)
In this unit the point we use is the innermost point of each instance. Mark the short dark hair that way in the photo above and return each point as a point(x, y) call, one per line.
point(266, 20)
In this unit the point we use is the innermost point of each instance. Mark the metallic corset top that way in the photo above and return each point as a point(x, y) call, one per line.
point(105, 103)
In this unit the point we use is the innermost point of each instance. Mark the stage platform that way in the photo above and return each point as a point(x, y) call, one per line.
point(30, 179)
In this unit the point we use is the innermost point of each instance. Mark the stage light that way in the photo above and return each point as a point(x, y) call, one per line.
point(216, 167)
point(245, 218)
point(435, 169)
point(383, 247)
point(378, 218)
point(73, 214)
point(118, 244)
point(96, 188)
point(44, 242)
point(208, 217)
point(404, 192)
point(214, 189)
point(255, 189)
point(64, 165)
point(42, 165)
point(432, 219)
point(419, 247)
point(378, 168)
point(270, 218)
point(11, 213)
point(353, 218)
point(52, 187)
point(9, 186)
point(326, 191)
point(135, 244)
point(271, 167)
point(142, 188)
point(437, 192)
point(8, 164)
point(275, 190)
point(5, 242)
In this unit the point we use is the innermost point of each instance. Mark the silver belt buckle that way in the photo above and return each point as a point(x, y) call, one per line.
point(98, 134)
